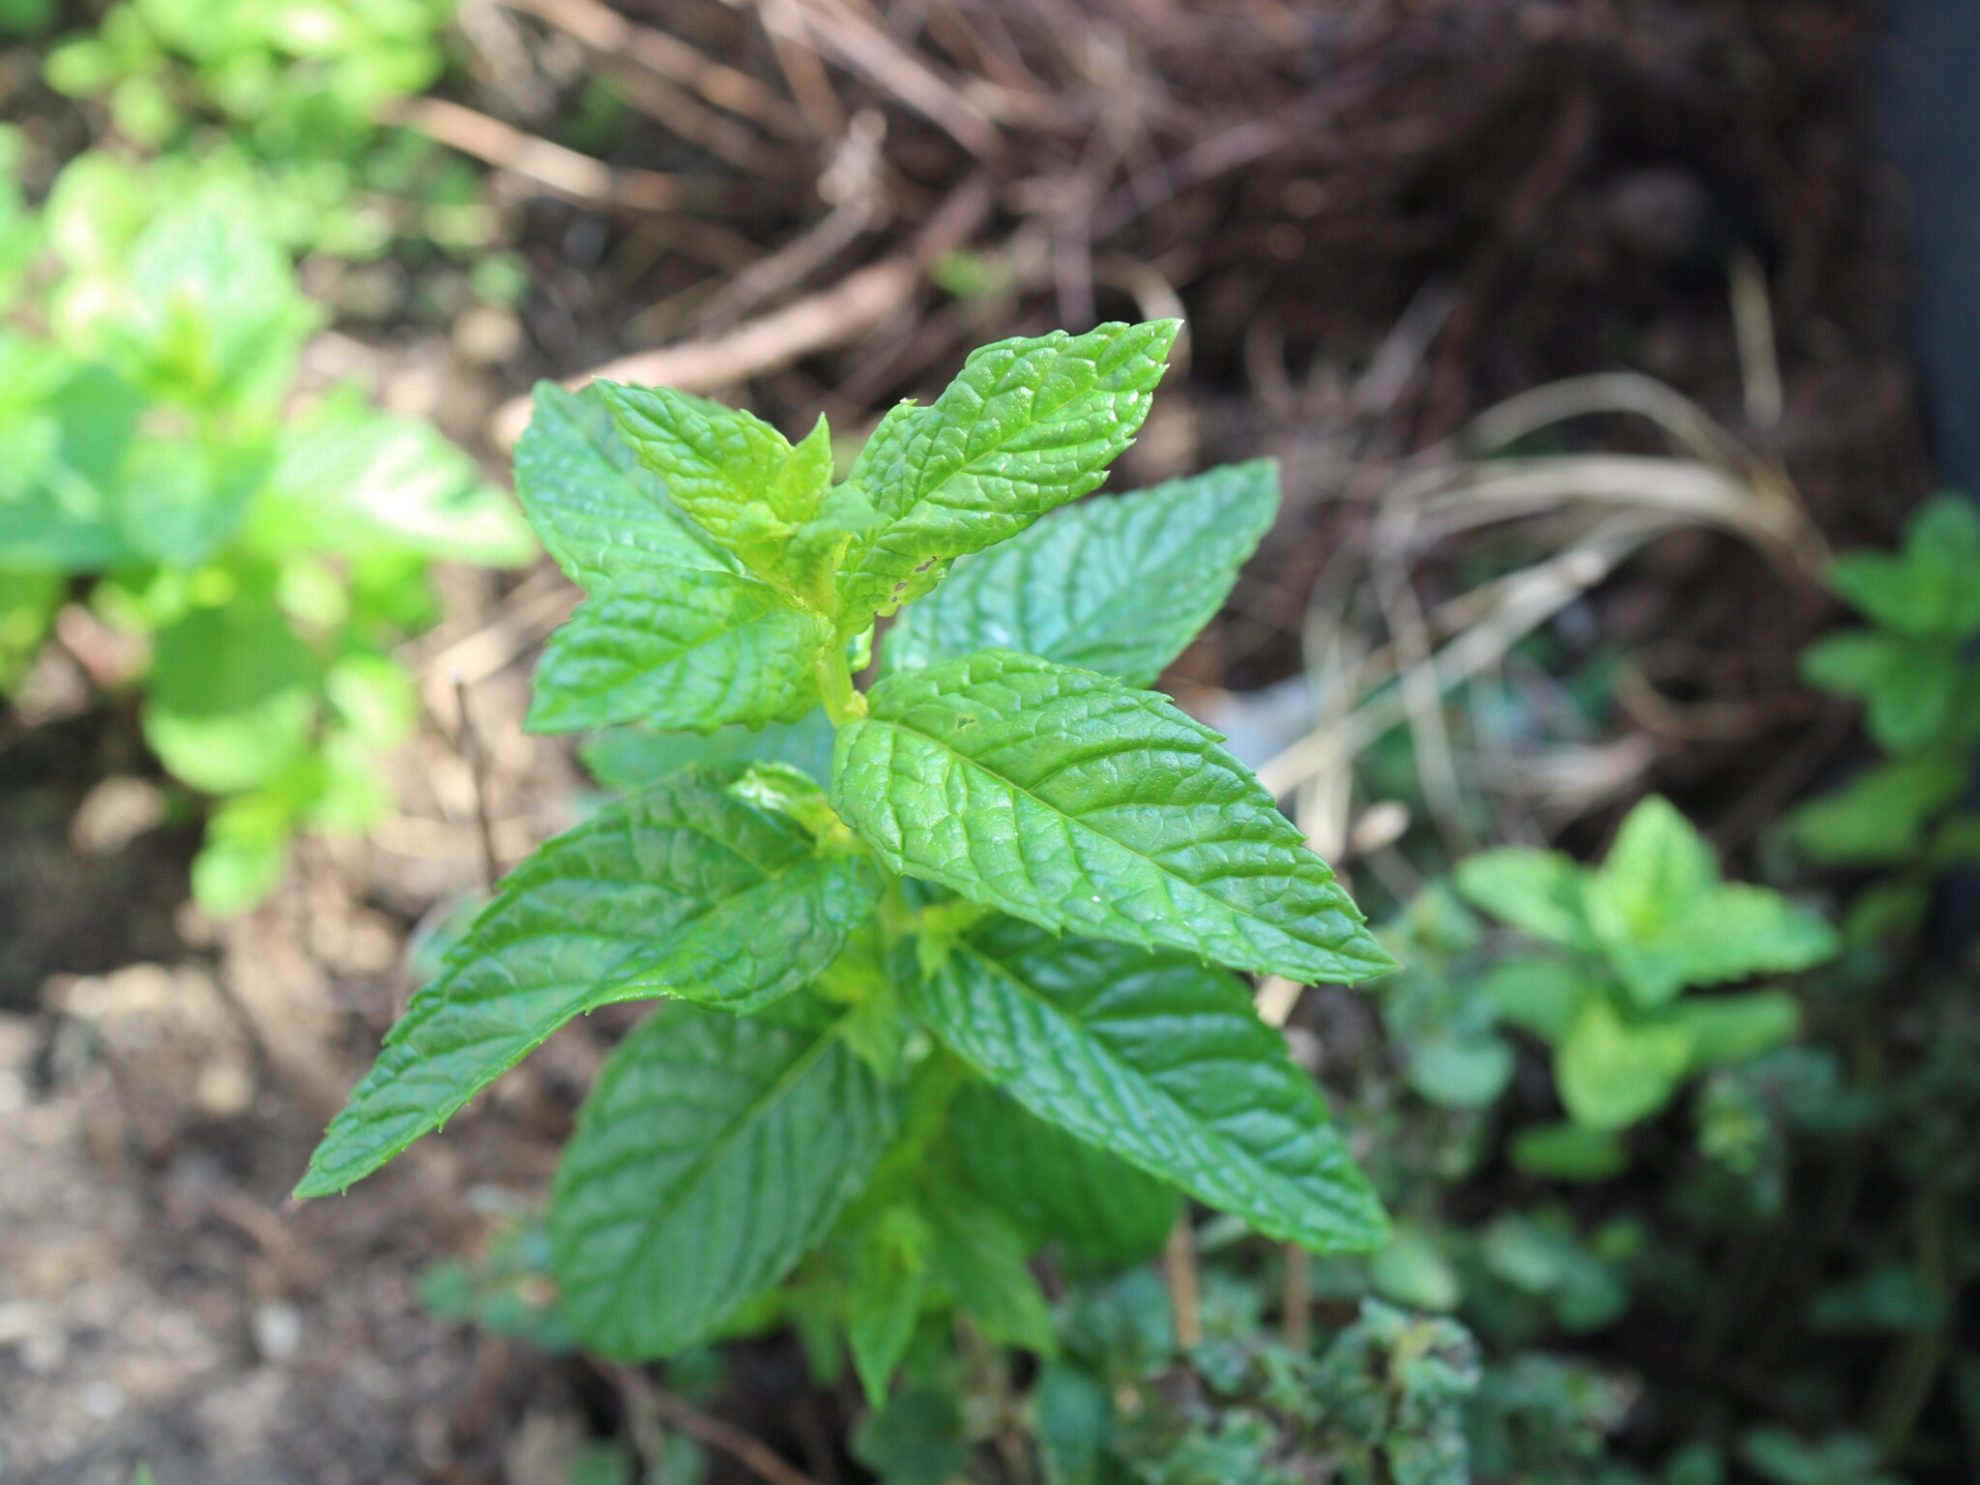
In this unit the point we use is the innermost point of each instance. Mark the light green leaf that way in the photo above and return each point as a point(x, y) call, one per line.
point(1927, 589)
point(1116, 585)
point(1881, 815)
point(244, 855)
point(1741, 930)
point(353, 479)
point(1540, 996)
point(631, 757)
point(1909, 685)
point(680, 648)
point(715, 1152)
point(730, 471)
point(683, 890)
point(1665, 921)
point(1164, 1063)
point(1612, 1073)
point(1071, 800)
point(1460, 1072)
point(1537, 892)
point(232, 697)
point(1028, 426)
point(1412, 1269)
point(598, 510)
point(1734, 1028)
point(1101, 1211)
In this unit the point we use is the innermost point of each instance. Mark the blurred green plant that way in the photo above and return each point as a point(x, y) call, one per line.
point(1623, 943)
point(149, 468)
point(1912, 671)
point(290, 103)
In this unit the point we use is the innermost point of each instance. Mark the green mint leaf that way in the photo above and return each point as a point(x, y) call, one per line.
point(683, 891)
point(1540, 996)
point(979, 1259)
point(1612, 1073)
point(1116, 585)
point(734, 474)
point(598, 510)
point(1028, 426)
point(1880, 816)
point(1664, 920)
point(627, 758)
point(1076, 802)
point(1162, 1062)
point(1735, 1028)
point(1537, 892)
point(354, 480)
point(1566, 1151)
point(889, 1284)
point(679, 648)
point(1059, 1190)
point(715, 1152)
point(1927, 589)
point(232, 694)
point(1909, 686)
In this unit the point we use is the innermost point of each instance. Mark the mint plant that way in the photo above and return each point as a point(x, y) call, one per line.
point(1921, 706)
point(266, 563)
point(990, 925)
point(1624, 942)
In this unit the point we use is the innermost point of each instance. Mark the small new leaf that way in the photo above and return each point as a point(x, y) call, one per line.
point(1078, 803)
point(1116, 585)
point(714, 1153)
point(734, 474)
point(682, 891)
point(1164, 1063)
point(1028, 426)
point(679, 649)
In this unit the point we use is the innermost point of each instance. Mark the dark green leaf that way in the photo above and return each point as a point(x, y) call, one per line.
point(683, 890)
point(1164, 1063)
point(715, 1152)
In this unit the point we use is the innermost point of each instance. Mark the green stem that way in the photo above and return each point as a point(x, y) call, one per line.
point(842, 702)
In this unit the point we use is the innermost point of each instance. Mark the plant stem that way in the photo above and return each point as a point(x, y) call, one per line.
point(1179, 1271)
point(835, 686)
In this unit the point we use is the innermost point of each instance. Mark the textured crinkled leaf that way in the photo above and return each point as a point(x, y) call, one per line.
point(597, 509)
point(632, 757)
point(1613, 1072)
point(715, 1152)
point(735, 475)
point(1116, 585)
point(1028, 426)
point(1161, 1061)
point(1537, 892)
point(1060, 1190)
point(683, 890)
point(679, 648)
point(1066, 798)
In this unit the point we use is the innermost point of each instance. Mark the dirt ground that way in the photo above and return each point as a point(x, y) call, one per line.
point(1507, 193)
